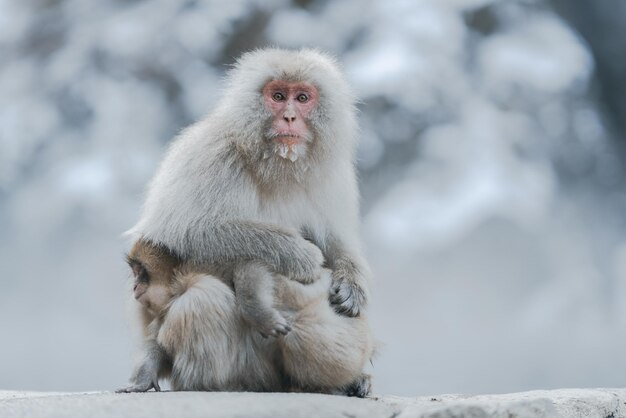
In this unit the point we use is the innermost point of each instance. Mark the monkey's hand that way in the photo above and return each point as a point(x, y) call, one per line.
point(145, 379)
point(140, 387)
point(347, 295)
point(274, 326)
point(307, 265)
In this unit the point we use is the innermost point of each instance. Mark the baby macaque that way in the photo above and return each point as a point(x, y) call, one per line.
point(197, 334)
point(252, 282)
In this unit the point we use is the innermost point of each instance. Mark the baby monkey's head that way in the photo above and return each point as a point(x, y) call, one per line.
point(153, 268)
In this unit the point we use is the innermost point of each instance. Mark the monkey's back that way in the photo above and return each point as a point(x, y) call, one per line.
point(210, 345)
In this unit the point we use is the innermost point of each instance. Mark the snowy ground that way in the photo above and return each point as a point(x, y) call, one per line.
point(567, 403)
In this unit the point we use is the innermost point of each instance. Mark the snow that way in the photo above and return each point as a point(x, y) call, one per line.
point(570, 403)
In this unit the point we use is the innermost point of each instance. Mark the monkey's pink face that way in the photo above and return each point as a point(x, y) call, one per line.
point(291, 105)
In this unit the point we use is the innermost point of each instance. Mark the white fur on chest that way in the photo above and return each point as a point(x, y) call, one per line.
point(293, 210)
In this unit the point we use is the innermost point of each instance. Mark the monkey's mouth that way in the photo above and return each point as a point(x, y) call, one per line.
point(287, 139)
point(287, 145)
point(138, 292)
point(290, 150)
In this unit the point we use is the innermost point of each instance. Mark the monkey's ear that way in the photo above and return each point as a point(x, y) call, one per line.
point(139, 270)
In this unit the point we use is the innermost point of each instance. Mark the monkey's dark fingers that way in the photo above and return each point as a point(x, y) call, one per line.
point(360, 388)
point(133, 389)
point(340, 291)
point(128, 389)
point(143, 385)
point(339, 294)
point(347, 298)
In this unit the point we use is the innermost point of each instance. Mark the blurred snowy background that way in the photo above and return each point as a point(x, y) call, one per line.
point(491, 163)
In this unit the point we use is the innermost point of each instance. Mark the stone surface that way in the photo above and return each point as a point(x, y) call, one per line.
point(566, 403)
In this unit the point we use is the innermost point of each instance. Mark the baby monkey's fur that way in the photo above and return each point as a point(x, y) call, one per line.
point(199, 333)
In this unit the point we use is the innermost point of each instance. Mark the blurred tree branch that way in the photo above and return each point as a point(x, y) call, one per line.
point(602, 23)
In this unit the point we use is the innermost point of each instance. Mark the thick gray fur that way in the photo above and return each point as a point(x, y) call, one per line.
point(222, 195)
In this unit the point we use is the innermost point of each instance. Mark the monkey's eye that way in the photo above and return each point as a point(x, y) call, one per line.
point(278, 97)
point(303, 98)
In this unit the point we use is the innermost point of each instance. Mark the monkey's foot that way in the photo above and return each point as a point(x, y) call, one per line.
point(141, 387)
point(347, 297)
point(273, 326)
point(360, 388)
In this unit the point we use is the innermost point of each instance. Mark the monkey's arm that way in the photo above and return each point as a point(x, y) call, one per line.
point(146, 376)
point(155, 364)
point(282, 249)
point(350, 273)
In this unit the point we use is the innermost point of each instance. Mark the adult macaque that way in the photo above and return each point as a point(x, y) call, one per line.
point(271, 165)
point(249, 196)
point(197, 336)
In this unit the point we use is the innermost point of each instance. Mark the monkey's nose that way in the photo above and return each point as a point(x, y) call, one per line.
point(135, 287)
point(289, 115)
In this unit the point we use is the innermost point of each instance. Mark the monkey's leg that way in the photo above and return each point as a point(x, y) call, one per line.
point(326, 352)
point(202, 332)
point(254, 292)
point(146, 376)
